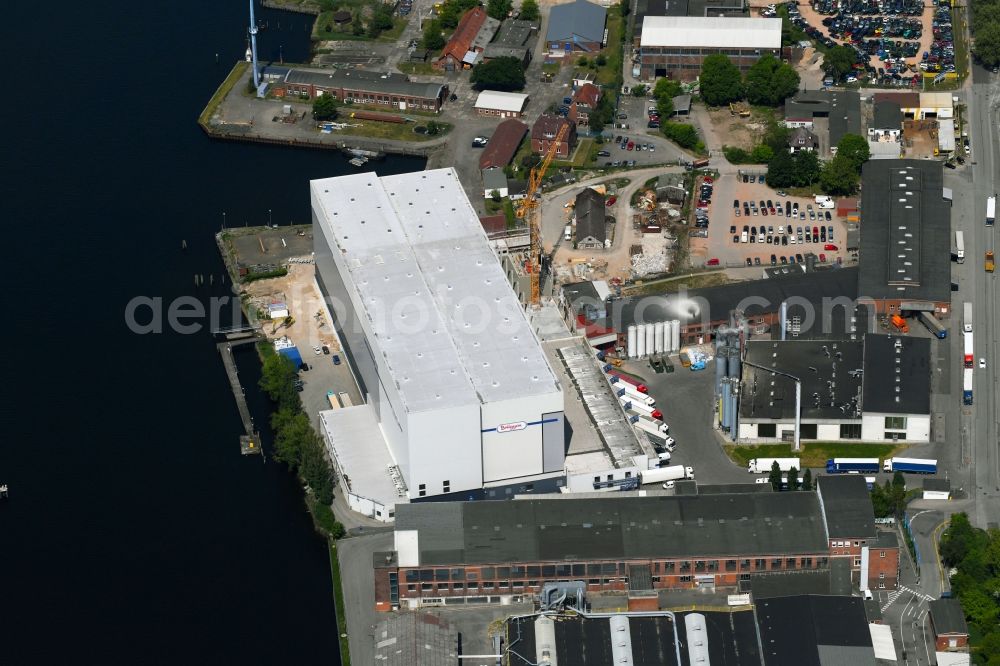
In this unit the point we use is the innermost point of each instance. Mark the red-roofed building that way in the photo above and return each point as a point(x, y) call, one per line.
point(493, 224)
point(544, 132)
point(503, 144)
point(584, 102)
point(461, 41)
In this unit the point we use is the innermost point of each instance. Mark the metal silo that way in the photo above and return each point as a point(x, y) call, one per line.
point(675, 335)
point(724, 407)
point(632, 353)
point(658, 337)
point(720, 368)
point(650, 339)
point(640, 341)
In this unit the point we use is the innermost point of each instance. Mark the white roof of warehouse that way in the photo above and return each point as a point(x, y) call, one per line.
point(730, 32)
point(503, 101)
point(447, 321)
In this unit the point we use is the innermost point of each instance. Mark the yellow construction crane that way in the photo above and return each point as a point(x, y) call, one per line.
point(529, 207)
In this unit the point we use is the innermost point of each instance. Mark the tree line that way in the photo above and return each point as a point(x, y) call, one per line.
point(777, 481)
point(974, 554)
point(296, 444)
point(985, 26)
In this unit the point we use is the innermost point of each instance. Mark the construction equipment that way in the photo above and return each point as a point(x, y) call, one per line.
point(900, 323)
point(529, 207)
point(741, 109)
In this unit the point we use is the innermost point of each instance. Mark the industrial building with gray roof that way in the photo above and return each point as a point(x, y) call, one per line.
point(613, 528)
point(905, 255)
point(814, 630)
point(847, 507)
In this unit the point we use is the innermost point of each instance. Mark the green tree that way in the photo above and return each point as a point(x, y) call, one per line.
point(381, 21)
point(277, 376)
point(684, 135)
point(325, 107)
point(640, 90)
point(453, 10)
point(855, 148)
point(720, 81)
point(775, 476)
point(781, 169)
point(839, 176)
point(601, 60)
point(838, 62)
point(987, 46)
point(529, 10)
point(776, 136)
point(503, 73)
point(602, 114)
point(769, 81)
point(433, 37)
point(582, 61)
point(666, 88)
point(807, 479)
point(357, 25)
point(807, 168)
point(793, 479)
point(495, 195)
point(761, 154)
point(499, 9)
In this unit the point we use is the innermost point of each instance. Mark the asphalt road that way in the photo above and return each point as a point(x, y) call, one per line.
point(979, 424)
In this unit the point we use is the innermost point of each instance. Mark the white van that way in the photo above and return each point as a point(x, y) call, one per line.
point(745, 238)
point(568, 232)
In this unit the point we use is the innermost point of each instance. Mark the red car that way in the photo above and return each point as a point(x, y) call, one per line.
point(830, 248)
point(714, 261)
point(822, 258)
point(612, 201)
point(630, 146)
point(708, 179)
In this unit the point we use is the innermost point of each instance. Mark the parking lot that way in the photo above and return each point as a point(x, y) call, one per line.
point(766, 228)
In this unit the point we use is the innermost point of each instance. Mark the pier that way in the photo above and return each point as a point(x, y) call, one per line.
point(250, 440)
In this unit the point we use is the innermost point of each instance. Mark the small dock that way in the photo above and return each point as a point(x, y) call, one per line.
point(250, 440)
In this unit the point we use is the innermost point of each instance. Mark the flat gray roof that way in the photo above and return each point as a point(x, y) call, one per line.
point(616, 528)
point(848, 506)
point(416, 252)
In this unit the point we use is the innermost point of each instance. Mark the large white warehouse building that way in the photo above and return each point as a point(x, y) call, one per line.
point(462, 402)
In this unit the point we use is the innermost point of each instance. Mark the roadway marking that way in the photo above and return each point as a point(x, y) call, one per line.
point(925, 597)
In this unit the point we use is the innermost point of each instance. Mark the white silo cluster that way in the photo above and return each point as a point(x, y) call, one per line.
point(663, 337)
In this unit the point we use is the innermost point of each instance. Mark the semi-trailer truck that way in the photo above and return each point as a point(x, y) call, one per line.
point(645, 426)
point(960, 247)
point(847, 465)
point(967, 386)
point(634, 396)
point(659, 425)
point(967, 317)
point(914, 465)
point(969, 350)
point(763, 465)
point(615, 377)
point(663, 474)
point(991, 211)
point(640, 408)
point(934, 324)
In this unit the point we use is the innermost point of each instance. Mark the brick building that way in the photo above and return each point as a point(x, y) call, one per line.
point(504, 551)
point(948, 623)
point(503, 145)
point(391, 89)
point(676, 46)
point(585, 100)
point(850, 525)
point(455, 54)
point(544, 132)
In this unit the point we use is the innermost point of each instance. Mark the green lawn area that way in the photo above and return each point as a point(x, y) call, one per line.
point(580, 158)
point(813, 454)
point(346, 32)
point(508, 212)
point(338, 601)
point(425, 68)
point(672, 285)
point(611, 73)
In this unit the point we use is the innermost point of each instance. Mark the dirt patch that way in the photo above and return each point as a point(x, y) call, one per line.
point(309, 325)
point(920, 138)
point(732, 130)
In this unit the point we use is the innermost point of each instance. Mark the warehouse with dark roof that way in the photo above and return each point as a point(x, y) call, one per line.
point(874, 389)
point(905, 255)
point(478, 551)
point(815, 630)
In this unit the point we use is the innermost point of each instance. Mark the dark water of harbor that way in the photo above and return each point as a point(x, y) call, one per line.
point(135, 532)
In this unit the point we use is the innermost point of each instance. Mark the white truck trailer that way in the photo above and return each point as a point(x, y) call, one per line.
point(663, 474)
point(763, 465)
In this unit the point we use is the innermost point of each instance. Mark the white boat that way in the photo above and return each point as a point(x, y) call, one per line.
point(358, 161)
point(249, 55)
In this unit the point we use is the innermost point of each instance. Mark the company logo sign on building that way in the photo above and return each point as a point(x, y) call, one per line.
point(512, 427)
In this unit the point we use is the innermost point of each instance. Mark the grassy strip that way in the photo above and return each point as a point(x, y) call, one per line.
point(672, 285)
point(393, 131)
point(611, 73)
point(239, 69)
point(338, 601)
point(814, 454)
point(421, 68)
